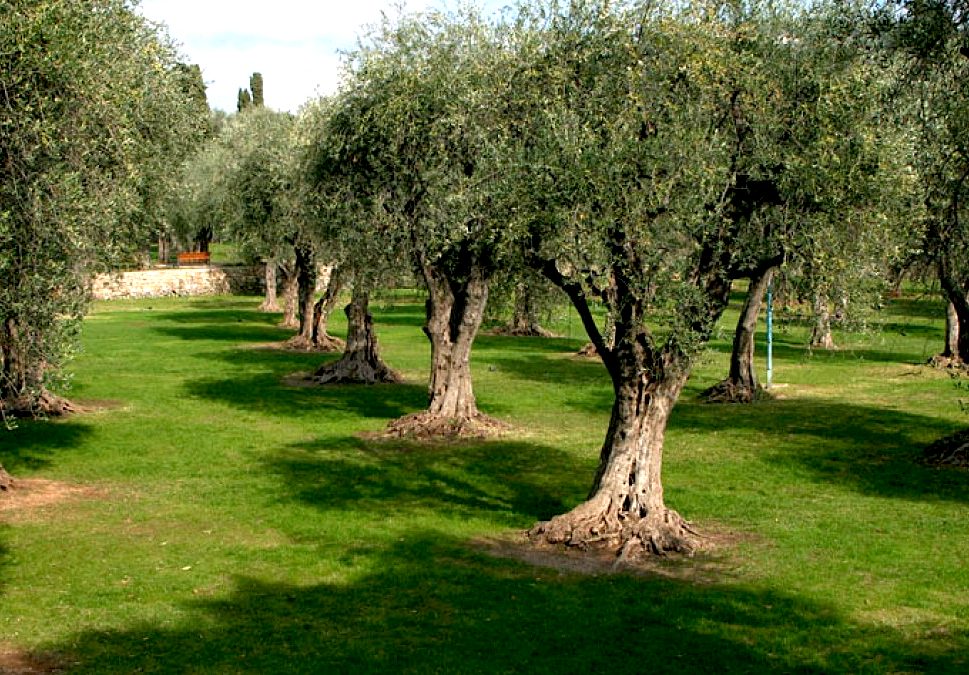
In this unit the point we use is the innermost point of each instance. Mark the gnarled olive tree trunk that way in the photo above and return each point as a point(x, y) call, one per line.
point(821, 332)
point(524, 319)
point(22, 389)
point(956, 351)
point(453, 319)
point(322, 340)
point(626, 511)
point(307, 275)
point(454, 311)
point(290, 295)
point(740, 385)
point(270, 303)
point(361, 362)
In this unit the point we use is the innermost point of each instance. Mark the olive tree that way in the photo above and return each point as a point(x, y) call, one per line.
point(418, 106)
point(344, 218)
point(257, 183)
point(94, 116)
point(934, 34)
point(197, 206)
point(647, 174)
point(844, 184)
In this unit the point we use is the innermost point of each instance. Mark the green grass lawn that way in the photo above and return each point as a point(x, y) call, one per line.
point(227, 523)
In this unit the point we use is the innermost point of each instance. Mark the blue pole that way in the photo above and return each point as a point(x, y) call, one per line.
point(770, 333)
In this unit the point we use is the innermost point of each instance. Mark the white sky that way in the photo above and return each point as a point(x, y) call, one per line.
point(293, 43)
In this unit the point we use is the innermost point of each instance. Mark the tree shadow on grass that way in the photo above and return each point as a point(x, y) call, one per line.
point(225, 331)
point(273, 358)
point(487, 344)
point(34, 443)
point(791, 351)
point(219, 320)
point(430, 603)
point(267, 394)
point(924, 307)
point(512, 481)
point(873, 450)
point(556, 370)
point(399, 315)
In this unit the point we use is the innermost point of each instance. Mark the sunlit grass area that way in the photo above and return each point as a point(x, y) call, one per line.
point(212, 519)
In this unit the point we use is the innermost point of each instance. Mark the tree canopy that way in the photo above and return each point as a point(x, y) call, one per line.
point(934, 36)
point(96, 111)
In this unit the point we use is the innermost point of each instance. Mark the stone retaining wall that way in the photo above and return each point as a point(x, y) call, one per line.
point(161, 282)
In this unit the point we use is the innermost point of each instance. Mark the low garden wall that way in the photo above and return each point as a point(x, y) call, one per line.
point(180, 281)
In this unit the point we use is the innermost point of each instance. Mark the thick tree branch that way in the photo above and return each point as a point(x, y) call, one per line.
point(579, 300)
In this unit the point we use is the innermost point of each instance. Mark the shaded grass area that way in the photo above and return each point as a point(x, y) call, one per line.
point(242, 525)
point(431, 604)
point(864, 448)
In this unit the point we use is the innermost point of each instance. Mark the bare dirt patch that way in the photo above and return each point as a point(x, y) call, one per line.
point(426, 427)
point(712, 564)
point(15, 661)
point(292, 347)
point(27, 496)
point(99, 405)
point(299, 380)
point(530, 331)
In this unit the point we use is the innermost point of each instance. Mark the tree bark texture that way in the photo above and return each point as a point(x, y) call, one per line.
point(270, 303)
point(626, 511)
point(821, 336)
point(741, 384)
point(307, 274)
point(454, 311)
point(524, 320)
point(322, 340)
point(957, 317)
point(361, 362)
point(22, 390)
point(290, 296)
point(961, 321)
point(951, 332)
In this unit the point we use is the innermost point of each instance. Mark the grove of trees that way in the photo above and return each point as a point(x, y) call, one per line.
point(640, 157)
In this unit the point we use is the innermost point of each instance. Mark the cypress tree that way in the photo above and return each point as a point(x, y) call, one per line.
point(245, 100)
point(255, 85)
